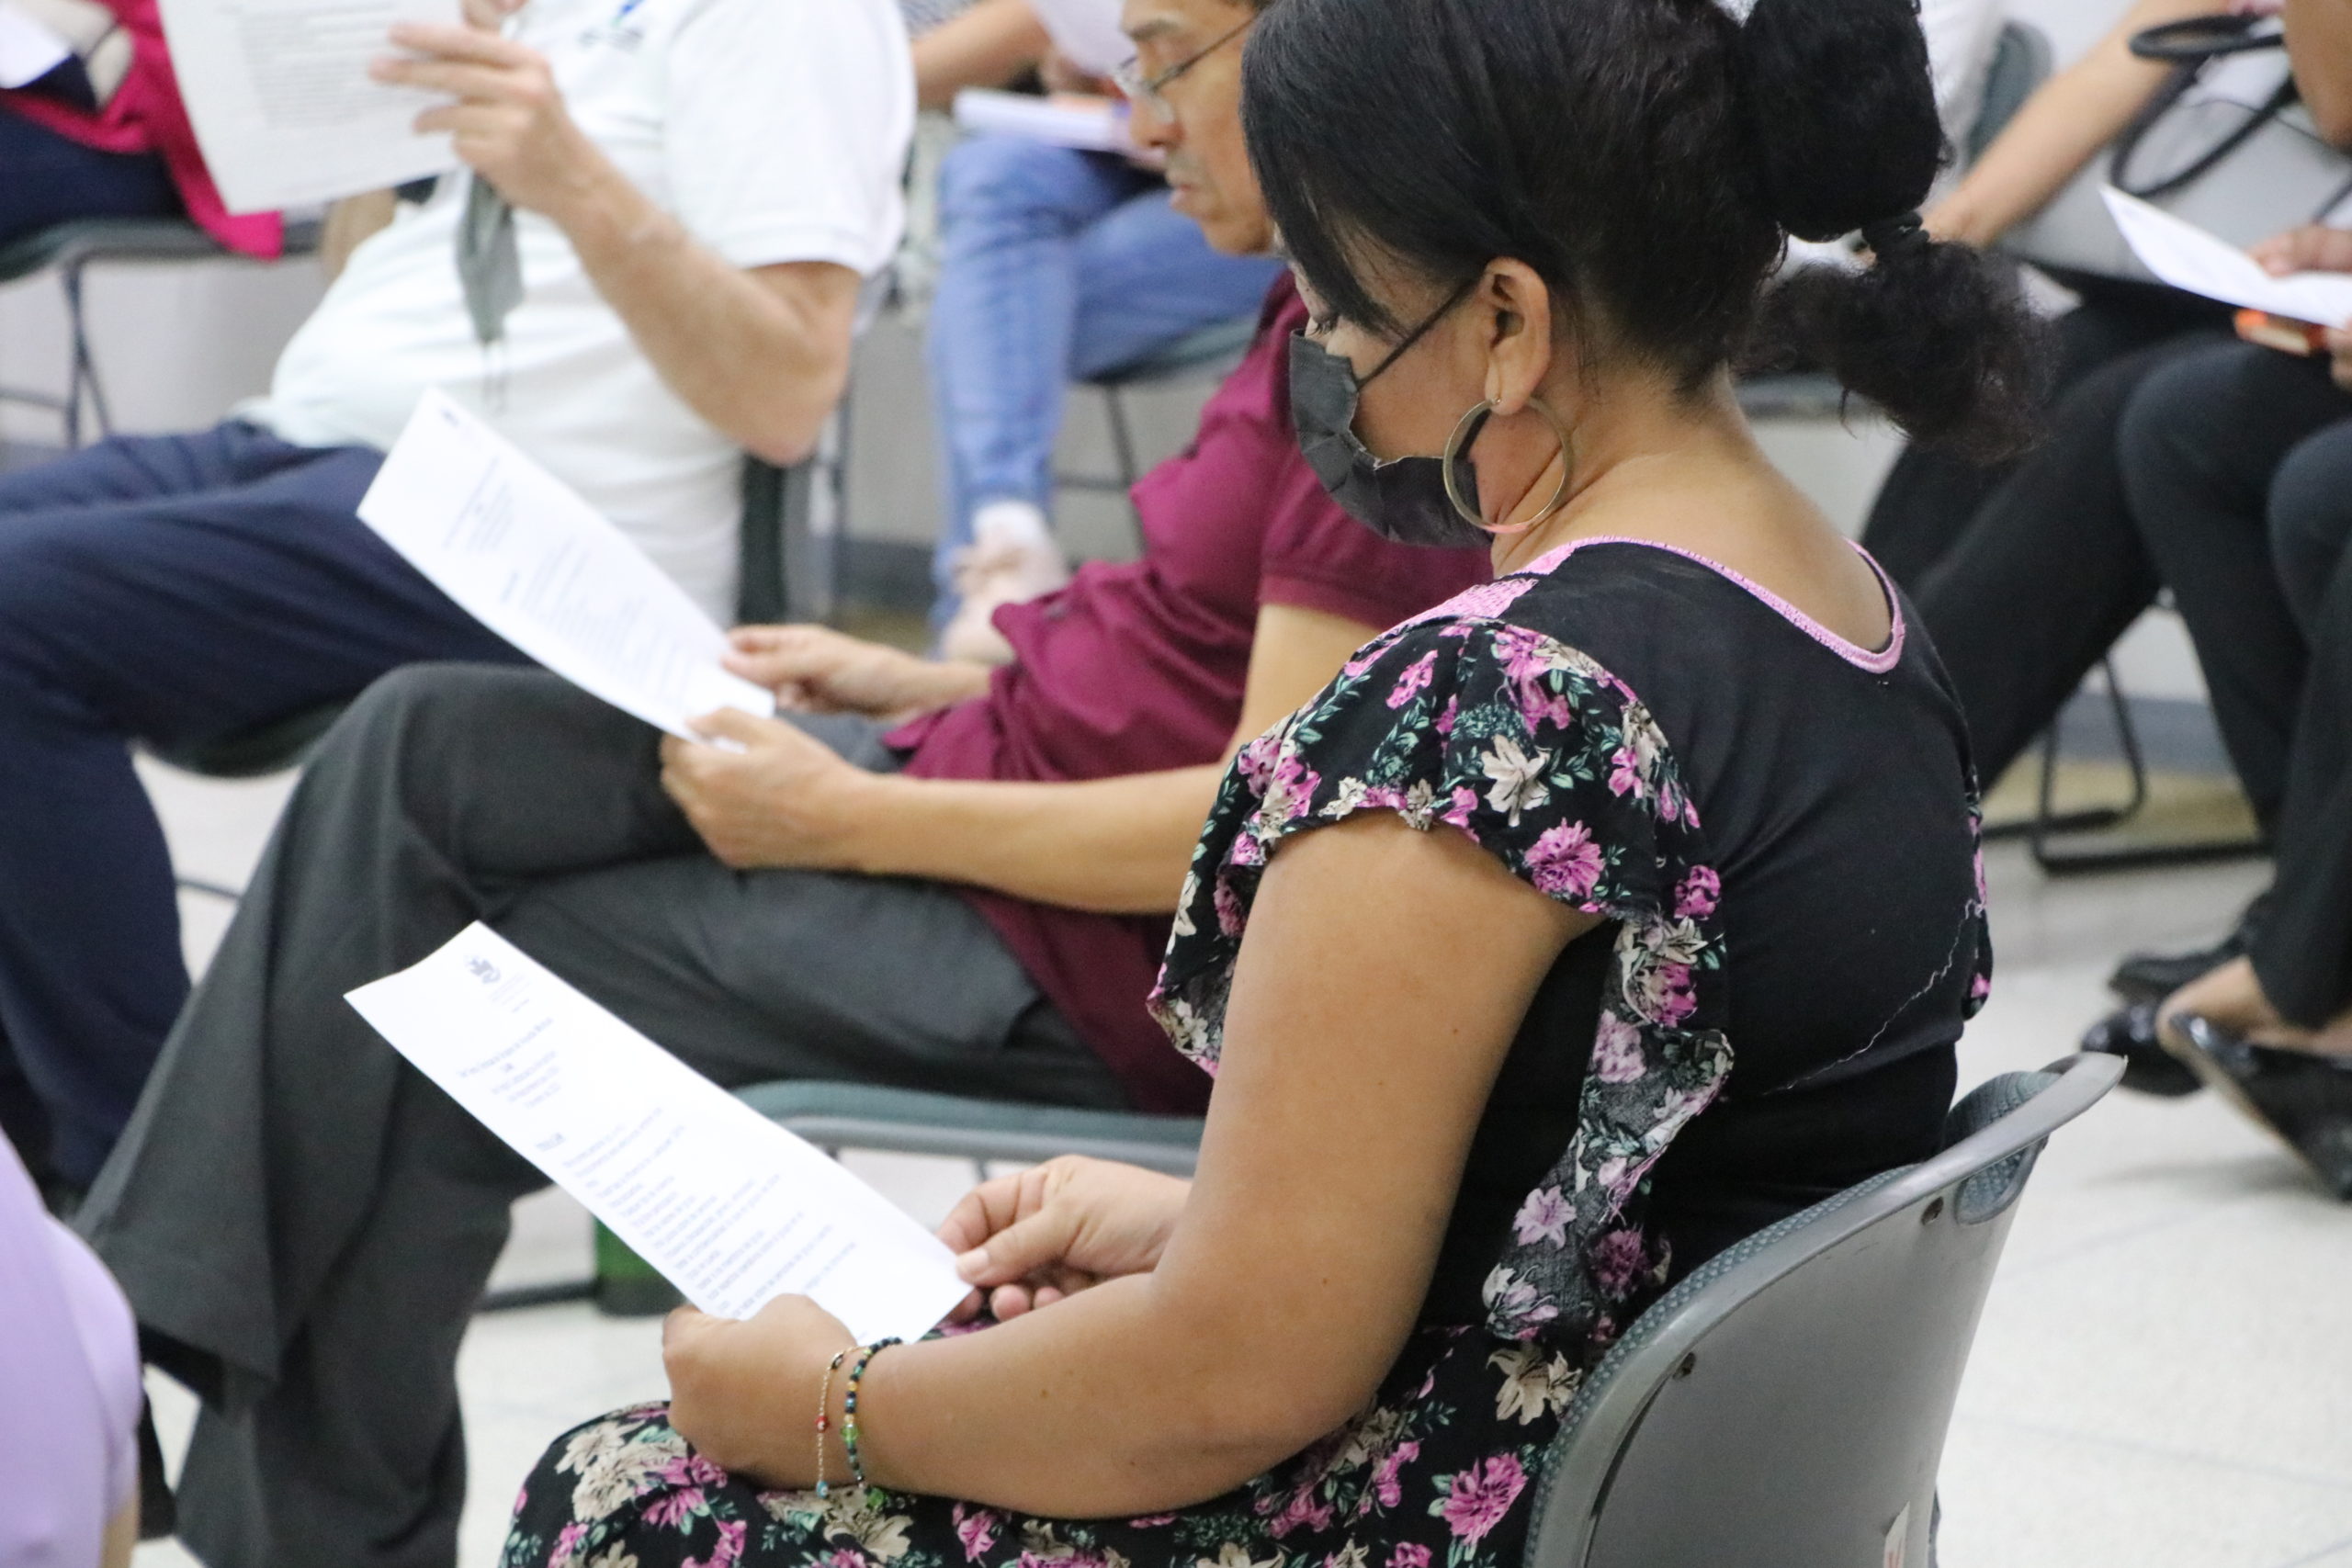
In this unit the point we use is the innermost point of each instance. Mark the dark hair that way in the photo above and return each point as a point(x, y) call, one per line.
point(1648, 156)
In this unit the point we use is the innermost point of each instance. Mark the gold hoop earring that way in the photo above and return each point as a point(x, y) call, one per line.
point(1465, 431)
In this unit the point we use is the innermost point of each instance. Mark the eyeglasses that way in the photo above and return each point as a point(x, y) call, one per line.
point(1145, 91)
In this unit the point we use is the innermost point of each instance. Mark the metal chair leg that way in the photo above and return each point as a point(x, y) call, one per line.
point(2048, 822)
point(83, 380)
point(1122, 448)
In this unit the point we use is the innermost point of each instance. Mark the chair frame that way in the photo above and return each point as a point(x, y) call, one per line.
point(71, 249)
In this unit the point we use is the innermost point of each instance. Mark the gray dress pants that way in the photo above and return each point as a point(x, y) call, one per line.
point(304, 1224)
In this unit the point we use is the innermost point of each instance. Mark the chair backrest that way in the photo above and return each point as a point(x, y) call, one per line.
point(1785, 1405)
point(2021, 63)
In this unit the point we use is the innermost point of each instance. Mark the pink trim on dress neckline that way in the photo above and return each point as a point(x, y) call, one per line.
point(1853, 653)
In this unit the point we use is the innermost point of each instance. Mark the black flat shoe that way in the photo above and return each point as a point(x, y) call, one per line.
point(2304, 1097)
point(2152, 977)
point(2130, 1032)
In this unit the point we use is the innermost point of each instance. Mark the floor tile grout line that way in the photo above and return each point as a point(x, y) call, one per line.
point(2154, 1450)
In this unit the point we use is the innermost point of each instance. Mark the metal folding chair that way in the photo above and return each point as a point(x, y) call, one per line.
point(1210, 352)
point(71, 250)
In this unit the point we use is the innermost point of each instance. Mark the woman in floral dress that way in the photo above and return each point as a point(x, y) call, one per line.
point(1581, 926)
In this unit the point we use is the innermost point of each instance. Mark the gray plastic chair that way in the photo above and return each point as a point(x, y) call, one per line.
point(1785, 1405)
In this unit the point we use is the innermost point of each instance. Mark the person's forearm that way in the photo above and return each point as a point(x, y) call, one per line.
point(984, 47)
point(2319, 42)
point(2059, 131)
point(1112, 846)
point(1112, 1403)
point(763, 365)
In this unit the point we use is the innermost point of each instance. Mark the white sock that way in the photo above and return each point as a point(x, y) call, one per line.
point(1012, 523)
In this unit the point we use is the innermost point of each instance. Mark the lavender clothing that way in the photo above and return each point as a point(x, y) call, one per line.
point(69, 1364)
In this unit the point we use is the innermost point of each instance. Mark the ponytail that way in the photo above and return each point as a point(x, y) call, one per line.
point(1840, 107)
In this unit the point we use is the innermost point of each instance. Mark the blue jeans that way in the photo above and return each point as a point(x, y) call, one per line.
point(174, 589)
point(1059, 266)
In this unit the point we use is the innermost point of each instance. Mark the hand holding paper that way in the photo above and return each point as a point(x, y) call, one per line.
point(528, 558)
point(732, 1209)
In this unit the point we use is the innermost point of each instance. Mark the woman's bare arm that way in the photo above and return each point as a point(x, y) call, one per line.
point(1113, 846)
point(1360, 1048)
point(2060, 128)
point(986, 46)
point(2319, 42)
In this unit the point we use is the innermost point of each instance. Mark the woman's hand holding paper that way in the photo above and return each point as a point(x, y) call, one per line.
point(2316, 248)
point(1029, 1240)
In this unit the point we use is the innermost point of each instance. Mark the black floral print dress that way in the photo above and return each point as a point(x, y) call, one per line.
point(1779, 829)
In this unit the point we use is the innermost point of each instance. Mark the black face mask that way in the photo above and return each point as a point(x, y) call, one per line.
point(1403, 501)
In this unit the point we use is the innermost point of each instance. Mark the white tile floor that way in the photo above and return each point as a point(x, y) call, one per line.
point(2158, 1382)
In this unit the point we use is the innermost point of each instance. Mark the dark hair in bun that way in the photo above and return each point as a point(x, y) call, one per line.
point(1649, 156)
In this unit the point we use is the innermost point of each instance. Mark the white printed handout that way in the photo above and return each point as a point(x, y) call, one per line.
point(2187, 257)
point(282, 102)
point(733, 1210)
point(519, 550)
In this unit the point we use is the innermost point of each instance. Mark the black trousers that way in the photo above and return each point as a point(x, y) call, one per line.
point(2025, 573)
point(2238, 464)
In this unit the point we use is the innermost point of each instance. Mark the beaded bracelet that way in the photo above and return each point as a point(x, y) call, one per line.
point(849, 1405)
point(824, 1418)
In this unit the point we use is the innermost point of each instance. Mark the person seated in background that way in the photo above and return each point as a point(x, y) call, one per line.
point(973, 903)
point(1057, 264)
point(1581, 927)
point(69, 1380)
point(103, 133)
point(2238, 462)
point(2027, 571)
point(701, 190)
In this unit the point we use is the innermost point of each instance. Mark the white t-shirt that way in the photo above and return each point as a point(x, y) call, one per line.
point(775, 130)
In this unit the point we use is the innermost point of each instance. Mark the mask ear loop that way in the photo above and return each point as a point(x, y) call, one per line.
point(1466, 431)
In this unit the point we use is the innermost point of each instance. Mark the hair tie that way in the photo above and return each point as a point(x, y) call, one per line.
point(1891, 237)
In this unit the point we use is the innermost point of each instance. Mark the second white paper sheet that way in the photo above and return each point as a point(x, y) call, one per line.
point(2187, 257)
point(519, 550)
point(732, 1209)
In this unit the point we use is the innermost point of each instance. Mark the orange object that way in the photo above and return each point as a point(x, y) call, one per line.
point(2283, 333)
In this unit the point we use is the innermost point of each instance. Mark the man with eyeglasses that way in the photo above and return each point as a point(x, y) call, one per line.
point(1060, 265)
point(974, 901)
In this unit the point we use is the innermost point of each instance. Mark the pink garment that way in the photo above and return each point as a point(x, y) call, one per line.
point(1139, 667)
point(145, 114)
point(69, 1381)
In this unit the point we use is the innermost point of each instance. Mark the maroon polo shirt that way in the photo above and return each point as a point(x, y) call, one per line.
point(1139, 667)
